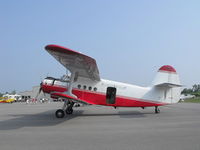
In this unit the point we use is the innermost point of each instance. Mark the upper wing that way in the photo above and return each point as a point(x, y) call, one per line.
point(84, 65)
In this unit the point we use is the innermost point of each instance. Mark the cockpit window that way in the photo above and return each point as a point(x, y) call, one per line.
point(47, 81)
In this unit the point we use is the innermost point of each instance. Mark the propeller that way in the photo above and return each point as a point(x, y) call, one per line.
point(64, 78)
point(39, 91)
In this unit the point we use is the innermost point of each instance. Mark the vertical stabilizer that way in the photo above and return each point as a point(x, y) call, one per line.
point(168, 84)
point(167, 75)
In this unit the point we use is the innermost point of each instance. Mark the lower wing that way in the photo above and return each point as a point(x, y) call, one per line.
point(77, 100)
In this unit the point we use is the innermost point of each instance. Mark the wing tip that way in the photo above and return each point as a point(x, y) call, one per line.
point(54, 47)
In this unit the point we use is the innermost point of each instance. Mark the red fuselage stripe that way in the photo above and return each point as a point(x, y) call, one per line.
point(98, 98)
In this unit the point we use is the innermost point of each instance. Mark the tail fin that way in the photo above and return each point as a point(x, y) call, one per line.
point(167, 75)
point(167, 82)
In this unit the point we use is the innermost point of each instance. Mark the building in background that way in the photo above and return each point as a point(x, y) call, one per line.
point(34, 94)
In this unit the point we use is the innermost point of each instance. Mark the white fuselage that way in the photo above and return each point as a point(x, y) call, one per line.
point(150, 93)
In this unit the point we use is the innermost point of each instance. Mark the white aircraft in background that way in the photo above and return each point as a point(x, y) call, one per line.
point(86, 86)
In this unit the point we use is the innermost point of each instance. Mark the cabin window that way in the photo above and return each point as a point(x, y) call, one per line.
point(95, 89)
point(84, 87)
point(90, 88)
point(79, 86)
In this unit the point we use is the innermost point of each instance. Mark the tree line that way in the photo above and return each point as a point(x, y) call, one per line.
point(195, 90)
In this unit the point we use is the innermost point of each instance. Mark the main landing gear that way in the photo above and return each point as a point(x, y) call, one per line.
point(68, 104)
point(67, 109)
point(157, 110)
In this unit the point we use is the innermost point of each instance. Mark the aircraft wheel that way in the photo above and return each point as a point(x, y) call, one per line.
point(60, 113)
point(69, 111)
point(157, 110)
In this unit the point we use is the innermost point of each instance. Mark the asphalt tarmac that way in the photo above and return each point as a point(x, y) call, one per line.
point(34, 126)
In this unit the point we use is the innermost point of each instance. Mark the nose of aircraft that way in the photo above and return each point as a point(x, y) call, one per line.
point(44, 88)
point(51, 87)
point(40, 90)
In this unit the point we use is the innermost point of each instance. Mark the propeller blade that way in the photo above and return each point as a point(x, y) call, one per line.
point(39, 91)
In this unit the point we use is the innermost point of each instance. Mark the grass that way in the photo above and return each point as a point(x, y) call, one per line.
point(192, 100)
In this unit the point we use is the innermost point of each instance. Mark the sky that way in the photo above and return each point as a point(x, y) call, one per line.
point(130, 39)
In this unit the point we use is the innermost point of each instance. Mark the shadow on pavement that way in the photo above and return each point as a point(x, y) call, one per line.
point(122, 114)
point(35, 120)
point(48, 118)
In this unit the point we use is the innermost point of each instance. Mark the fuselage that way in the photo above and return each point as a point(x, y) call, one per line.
point(109, 93)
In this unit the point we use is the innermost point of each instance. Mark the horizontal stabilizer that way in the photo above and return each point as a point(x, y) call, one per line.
point(168, 85)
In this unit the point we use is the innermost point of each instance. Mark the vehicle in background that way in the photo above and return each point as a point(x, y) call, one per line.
point(16, 97)
point(184, 97)
point(6, 100)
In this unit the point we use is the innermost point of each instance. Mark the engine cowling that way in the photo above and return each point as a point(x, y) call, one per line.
point(51, 84)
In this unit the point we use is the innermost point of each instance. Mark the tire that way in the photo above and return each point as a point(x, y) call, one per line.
point(60, 113)
point(157, 110)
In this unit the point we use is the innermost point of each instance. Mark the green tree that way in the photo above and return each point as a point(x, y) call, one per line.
point(198, 87)
point(195, 88)
point(187, 91)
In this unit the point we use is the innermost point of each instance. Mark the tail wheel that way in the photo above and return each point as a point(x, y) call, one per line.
point(157, 110)
point(60, 113)
point(69, 111)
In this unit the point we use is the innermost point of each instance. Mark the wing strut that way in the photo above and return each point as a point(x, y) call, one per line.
point(69, 91)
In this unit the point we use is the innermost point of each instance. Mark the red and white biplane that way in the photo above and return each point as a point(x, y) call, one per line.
point(86, 86)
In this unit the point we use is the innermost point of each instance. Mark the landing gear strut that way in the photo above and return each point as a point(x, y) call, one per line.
point(157, 110)
point(68, 104)
point(67, 108)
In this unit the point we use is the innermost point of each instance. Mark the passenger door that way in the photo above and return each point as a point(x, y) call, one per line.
point(111, 95)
